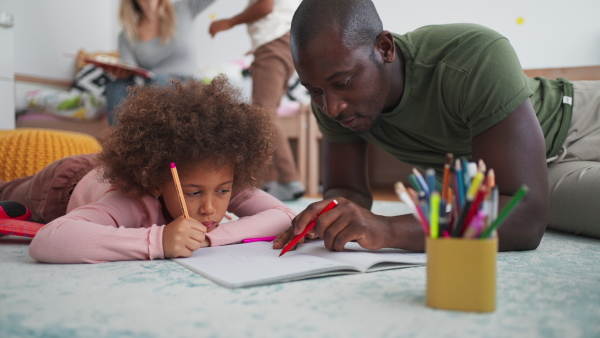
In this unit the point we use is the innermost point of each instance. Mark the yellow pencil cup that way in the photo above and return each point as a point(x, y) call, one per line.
point(461, 274)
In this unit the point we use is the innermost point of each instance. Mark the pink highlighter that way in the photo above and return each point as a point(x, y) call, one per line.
point(260, 239)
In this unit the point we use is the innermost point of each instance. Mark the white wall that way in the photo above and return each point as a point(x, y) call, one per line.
point(227, 46)
point(554, 34)
point(7, 78)
point(45, 29)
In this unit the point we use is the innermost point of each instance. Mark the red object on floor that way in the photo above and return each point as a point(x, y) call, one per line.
point(19, 228)
point(14, 210)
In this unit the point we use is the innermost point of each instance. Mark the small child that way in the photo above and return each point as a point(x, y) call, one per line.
point(128, 208)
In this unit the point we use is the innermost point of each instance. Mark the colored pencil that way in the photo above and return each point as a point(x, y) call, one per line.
point(420, 211)
point(466, 174)
point(421, 181)
point(505, 211)
point(431, 183)
point(446, 178)
point(179, 191)
point(413, 182)
point(405, 197)
point(491, 180)
point(474, 228)
point(495, 201)
point(460, 185)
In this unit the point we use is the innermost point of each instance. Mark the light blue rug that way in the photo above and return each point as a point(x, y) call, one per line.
point(553, 291)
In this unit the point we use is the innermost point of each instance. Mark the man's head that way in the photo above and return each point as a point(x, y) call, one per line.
point(357, 20)
point(340, 52)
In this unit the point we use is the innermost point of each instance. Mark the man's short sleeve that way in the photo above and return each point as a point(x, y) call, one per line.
point(494, 88)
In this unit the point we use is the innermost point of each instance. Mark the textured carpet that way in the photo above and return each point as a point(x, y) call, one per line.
point(549, 292)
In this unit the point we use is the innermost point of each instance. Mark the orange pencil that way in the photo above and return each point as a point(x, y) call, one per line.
point(179, 191)
point(491, 179)
point(446, 181)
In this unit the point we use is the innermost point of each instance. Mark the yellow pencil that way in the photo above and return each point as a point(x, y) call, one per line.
point(179, 191)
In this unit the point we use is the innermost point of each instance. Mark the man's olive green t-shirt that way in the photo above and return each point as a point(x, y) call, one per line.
point(460, 80)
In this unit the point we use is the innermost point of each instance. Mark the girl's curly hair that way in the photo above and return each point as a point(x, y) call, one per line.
point(188, 123)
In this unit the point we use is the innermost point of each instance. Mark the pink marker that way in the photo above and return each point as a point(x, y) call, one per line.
point(260, 239)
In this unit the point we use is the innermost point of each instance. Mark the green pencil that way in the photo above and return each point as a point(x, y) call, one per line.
point(415, 184)
point(505, 211)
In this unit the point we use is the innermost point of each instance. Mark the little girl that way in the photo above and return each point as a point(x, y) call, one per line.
point(128, 208)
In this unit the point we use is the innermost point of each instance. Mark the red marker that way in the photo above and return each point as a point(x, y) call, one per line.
point(310, 225)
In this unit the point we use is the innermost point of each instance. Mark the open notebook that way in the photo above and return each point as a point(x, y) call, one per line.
point(256, 263)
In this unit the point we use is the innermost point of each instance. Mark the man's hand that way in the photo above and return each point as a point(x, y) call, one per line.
point(285, 237)
point(347, 222)
point(183, 236)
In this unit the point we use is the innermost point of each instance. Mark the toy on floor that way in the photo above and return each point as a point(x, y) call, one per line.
point(14, 220)
point(14, 210)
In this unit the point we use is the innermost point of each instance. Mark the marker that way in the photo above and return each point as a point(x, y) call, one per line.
point(310, 225)
point(260, 239)
point(434, 216)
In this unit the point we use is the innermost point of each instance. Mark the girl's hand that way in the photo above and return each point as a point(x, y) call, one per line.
point(183, 236)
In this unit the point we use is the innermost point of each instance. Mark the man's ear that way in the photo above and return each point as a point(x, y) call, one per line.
point(386, 46)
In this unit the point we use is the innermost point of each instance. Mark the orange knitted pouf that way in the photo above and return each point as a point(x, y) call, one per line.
point(26, 151)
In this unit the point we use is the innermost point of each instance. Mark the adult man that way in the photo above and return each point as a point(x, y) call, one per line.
point(439, 89)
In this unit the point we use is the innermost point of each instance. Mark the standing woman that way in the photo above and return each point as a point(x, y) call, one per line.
point(156, 36)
